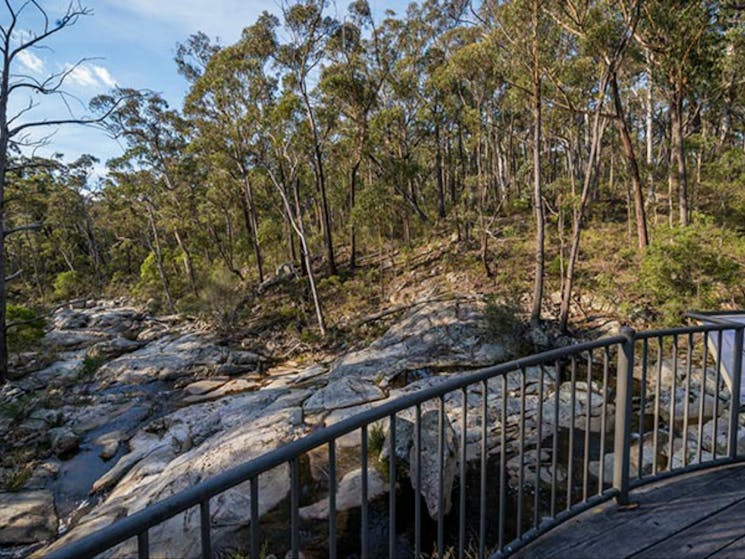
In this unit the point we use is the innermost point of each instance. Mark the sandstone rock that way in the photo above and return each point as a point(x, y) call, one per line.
point(530, 467)
point(27, 517)
point(190, 445)
point(109, 443)
point(348, 494)
point(164, 359)
point(43, 474)
point(63, 440)
point(70, 339)
point(342, 393)
point(113, 348)
point(430, 481)
point(231, 387)
point(69, 319)
point(203, 386)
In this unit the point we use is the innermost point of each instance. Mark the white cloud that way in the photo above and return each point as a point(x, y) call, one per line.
point(104, 75)
point(81, 75)
point(90, 75)
point(31, 61)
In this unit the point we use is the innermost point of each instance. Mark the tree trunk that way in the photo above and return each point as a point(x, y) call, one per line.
point(678, 153)
point(159, 259)
point(631, 165)
point(188, 267)
point(535, 313)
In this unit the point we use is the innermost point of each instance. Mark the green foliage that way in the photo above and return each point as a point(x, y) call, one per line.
point(220, 297)
point(26, 328)
point(501, 318)
point(90, 365)
point(68, 284)
point(689, 268)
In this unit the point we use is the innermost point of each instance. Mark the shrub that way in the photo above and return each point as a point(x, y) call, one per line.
point(26, 327)
point(692, 267)
point(67, 284)
point(501, 318)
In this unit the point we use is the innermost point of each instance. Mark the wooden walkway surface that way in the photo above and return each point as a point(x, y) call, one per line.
point(698, 515)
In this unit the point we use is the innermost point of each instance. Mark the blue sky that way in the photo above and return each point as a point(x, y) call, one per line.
point(130, 43)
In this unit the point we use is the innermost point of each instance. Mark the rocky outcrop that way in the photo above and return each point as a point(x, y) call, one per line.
point(27, 517)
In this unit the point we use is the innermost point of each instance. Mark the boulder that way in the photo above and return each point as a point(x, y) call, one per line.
point(348, 494)
point(27, 517)
point(63, 440)
point(430, 466)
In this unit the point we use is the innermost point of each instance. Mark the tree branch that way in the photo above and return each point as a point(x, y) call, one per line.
point(27, 227)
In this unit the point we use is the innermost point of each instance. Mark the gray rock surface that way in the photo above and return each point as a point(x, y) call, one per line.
point(27, 517)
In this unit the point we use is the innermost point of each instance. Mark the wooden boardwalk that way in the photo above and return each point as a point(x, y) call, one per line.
point(697, 515)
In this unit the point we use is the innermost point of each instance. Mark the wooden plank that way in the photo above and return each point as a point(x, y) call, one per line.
point(704, 538)
point(606, 529)
point(735, 550)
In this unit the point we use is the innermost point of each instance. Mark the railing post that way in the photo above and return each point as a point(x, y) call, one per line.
point(623, 416)
point(734, 415)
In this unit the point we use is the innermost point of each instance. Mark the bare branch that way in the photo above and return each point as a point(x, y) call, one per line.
point(70, 18)
point(27, 227)
point(57, 122)
point(14, 275)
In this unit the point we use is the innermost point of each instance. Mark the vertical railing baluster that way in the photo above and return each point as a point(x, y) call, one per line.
point(673, 395)
point(624, 380)
point(642, 406)
point(364, 512)
point(204, 516)
point(686, 414)
point(255, 544)
point(441, 480)
point(418, 484)
point(588, 419)
point(539, 434)
point(392, 489)
point(604, 421)
point(503, 465)
point(332, 499)
point(521, 456)
point(657, 390)
point(734, 415)
point(462, 494)
point(715, 430)
point(555, 442)
point(702, 400)
point(572, 418)
point(143, 545)
point(294, 507)
point(482, 487)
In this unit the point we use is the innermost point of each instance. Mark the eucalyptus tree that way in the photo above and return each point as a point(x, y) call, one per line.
point(351, 82)
point(225, 103)
point(156, 139)
point(678, 36)
point(301, 57)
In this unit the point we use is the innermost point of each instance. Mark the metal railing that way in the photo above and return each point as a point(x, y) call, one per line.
point(534, 441)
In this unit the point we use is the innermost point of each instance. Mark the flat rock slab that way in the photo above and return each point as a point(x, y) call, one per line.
point(27, 517)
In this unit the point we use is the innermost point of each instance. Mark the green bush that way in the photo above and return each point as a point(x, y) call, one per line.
point(692, 267)
point(501, 318)
point(26, 328)
point(67, 284)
